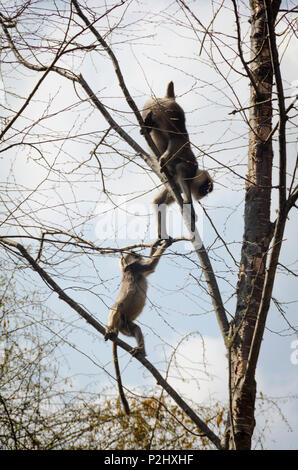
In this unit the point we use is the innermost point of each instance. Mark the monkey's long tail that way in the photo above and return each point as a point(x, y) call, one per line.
point(119, 381)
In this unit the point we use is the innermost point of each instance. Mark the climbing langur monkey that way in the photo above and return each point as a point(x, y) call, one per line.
point(130, 303)
point(165, 121)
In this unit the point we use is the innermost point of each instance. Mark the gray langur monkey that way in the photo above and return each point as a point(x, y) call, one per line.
point(164, 119)
point(130, 303)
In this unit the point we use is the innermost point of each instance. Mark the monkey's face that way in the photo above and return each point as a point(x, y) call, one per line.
point(129, 259)
point(202, 184)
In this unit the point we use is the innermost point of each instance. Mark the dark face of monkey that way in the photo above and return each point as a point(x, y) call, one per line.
point(206, 188)
point(129, 259)
point(203, 186)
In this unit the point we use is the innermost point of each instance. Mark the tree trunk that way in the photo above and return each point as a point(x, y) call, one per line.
point(257, 233)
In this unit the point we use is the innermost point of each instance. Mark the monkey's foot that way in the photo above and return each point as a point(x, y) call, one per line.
point(138, 350)
point(110, 335)
point(194, 218)
point(167, 238)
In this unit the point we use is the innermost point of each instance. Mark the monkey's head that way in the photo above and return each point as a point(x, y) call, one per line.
point(128, 259)
point(201, 185)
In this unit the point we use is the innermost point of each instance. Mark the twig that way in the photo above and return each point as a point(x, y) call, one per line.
point(10, 422)
point(281, 105)
point(247, 69)
point(291, 105)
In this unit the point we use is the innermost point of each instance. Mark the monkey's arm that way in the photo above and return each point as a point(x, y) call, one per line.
point(149, 123)
point(177, 148)
point(148, 266)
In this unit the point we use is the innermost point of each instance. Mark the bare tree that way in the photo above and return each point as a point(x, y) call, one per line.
point(56, 44)
point(262, 238)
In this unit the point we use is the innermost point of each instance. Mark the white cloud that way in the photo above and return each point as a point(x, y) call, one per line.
point(277, 412)
point(205, 359)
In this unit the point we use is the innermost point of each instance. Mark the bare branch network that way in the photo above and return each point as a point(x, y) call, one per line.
point(74, 81)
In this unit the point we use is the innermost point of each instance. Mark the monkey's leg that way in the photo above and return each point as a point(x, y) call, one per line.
point(149, 123)
point(193, 218)
point(160, 203)
point(114, 322)
point(189, 211)
point(188, 208)
point(161, 214)
point(134, 330)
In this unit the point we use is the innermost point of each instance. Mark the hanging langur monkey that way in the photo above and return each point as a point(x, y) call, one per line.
point(165, 121)
point(130, 303)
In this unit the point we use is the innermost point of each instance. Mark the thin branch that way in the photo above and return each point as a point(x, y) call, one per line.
point(95, 324)
point(37, 68)
point(83, 243)
point(30, 96)
point(146, 157)
point(292, 199)
point(46, 70)
point(127, 95)
point(235, 111)
point(247, 69)
point(288, 270)
point(10, 421)
point(281, 104)
point(219, 235)
point(117, 69)
point(291, 105)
